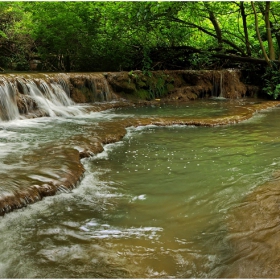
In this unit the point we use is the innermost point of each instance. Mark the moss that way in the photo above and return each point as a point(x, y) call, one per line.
point(141, 84)
point(169, 87)
point(143, 94)
point(129, 87)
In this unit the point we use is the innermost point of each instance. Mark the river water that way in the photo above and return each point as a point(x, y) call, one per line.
point(165, 202)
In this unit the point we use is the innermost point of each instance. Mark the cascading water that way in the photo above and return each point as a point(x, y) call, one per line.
point(221, 85)
point(9, 109)
point(48, 95)
point(218, 84)
point(51, 100)
point(100, 87)
point(226, 84)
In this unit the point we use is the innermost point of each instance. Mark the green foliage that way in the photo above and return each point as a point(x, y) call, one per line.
point(146, 62)
point(271, 80)
point(143, 94)
point(125, 35)
point(157, 87)
point(200, 60)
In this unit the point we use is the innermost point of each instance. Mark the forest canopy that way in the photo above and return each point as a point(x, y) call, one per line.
point(114, 36)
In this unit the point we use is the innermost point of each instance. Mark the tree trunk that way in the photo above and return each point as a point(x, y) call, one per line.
point(242, 10)
point(67, 63)
point(274, 31)
point(259, 36)
point(193, 25)
point(268, 31)
point(216, 25)
point(251, 60)
point(217, 29)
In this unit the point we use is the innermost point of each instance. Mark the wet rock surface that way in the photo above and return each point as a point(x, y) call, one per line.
point(179, 85)
point(23, 93)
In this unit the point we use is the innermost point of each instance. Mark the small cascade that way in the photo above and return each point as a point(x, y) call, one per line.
point(221, 85)
point(8, 104)
point(218, 84)
point(49, 94)
point(216, 88)
point(227, 84)
point(46, 99)
point(98, 85)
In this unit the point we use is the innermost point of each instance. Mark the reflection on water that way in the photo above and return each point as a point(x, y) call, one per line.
point(199, 109)
point(174, 202)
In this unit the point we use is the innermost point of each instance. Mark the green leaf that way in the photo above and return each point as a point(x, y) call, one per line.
point(2, 34)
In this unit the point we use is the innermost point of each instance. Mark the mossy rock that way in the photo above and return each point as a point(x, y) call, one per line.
point(128, 87)
point(77, 96)
point(123, 82)
point(78, 82)
point(143, 94)
point(169, 87)
point(141, 84)
point(84, 95)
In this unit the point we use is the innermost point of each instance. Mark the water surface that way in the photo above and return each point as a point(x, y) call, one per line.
point(161, 203)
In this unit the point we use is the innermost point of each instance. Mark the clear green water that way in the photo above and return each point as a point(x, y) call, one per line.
point(201, 108)
point(158, 204)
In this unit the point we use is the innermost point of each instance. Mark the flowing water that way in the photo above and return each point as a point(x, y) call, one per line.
point(165, 202)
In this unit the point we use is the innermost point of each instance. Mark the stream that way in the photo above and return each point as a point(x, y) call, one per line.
point(179, 201)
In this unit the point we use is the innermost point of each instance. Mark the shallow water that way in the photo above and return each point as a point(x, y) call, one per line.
point(162, 203)
point(199, 109)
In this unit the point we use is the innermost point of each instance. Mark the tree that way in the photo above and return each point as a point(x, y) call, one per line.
point(112, 36)
point(259, 36)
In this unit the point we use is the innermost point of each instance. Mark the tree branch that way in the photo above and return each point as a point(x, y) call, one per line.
point(193, 25)
point(259, 36)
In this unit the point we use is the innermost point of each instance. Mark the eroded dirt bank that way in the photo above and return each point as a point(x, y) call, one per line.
point(62, 170)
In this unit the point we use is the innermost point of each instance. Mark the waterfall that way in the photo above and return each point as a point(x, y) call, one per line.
point(8, 105)
point(221, 85)
point(218, 86)
point(100, 88)
point(49, 94)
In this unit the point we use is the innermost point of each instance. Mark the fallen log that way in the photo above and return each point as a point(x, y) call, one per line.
point(244, 59)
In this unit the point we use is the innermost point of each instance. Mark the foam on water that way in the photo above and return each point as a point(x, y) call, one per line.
point(106, 150)
point(140, 197)
point(105, 231)
point(51, 98)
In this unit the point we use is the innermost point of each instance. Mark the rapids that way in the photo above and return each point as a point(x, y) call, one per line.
point(181, 190)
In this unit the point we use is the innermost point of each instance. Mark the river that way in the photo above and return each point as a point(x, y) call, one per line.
point(163, 202)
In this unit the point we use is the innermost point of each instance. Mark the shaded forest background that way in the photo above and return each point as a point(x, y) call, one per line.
point(117, 36)
point(113, 36)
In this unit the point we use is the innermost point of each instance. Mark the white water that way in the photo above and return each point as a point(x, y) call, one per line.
point(8, 101)
point(47, 95)
point(52, 99)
